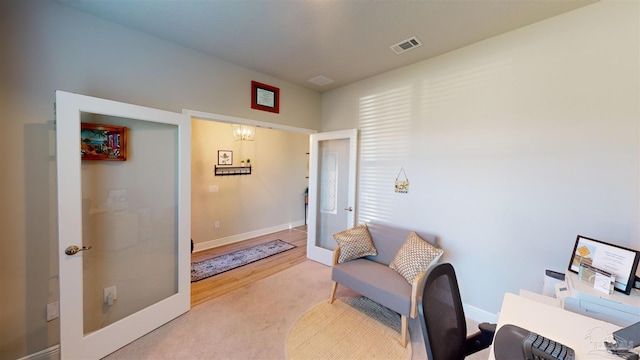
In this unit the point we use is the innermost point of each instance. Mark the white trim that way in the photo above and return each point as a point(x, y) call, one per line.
point(245, 236)
point(243, 121)
point(479, 315)
point(52, 352)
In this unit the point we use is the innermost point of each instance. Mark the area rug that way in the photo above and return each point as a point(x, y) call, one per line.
point(350, 328)
point(210, 267)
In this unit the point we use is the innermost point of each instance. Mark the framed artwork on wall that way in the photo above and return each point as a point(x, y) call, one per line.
point(103, 142)
point(265, 97)
point(225, 157)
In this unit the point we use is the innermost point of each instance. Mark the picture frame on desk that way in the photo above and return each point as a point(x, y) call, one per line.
point(617, 260)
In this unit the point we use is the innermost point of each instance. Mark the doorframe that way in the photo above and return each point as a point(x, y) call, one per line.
point(203, 115)
point(227, 119)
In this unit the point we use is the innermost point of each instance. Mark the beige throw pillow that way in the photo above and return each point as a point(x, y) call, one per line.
point(355, 243)
point(414, 257)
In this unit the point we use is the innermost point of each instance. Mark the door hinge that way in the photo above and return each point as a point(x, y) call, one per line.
point(55, 116)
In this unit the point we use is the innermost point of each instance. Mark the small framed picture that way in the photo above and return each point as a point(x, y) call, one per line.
point(617, 260)
point(103, 142)
point(265, 97)
point(225, 157)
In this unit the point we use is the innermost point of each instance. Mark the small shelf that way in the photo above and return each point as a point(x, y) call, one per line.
point(232, 170)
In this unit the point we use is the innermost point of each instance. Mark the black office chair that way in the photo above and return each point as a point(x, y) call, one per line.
point(442, 318)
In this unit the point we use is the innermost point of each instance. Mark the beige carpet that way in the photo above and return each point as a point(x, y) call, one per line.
point(350, 328)
point(250, 323)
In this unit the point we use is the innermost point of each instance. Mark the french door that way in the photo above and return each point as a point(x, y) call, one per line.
point(124, 229)
point(332, 190)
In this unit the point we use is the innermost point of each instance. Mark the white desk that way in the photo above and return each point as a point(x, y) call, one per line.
point(584, 334)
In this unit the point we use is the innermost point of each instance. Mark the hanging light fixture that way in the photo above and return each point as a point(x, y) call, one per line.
point(243, 132)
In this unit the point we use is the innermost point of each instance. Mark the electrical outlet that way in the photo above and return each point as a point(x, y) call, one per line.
point(217, 224)
point(110, 295)
point(53, 310)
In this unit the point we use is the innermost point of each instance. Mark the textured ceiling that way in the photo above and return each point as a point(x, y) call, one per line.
point(345, 41)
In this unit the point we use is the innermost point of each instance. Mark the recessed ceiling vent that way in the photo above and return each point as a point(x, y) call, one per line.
point(406, 45)
point(320, 80)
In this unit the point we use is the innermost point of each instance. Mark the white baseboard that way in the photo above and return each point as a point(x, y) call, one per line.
point(50, 353)
point(244, 236)
point(479, 315)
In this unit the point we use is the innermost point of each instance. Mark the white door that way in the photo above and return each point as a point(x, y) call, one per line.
point(123, 226)
point(332, 190)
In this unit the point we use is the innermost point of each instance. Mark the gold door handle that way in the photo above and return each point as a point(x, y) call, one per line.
point(72, 250)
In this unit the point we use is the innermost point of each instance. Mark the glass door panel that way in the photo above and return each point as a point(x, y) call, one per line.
point(129, 220)
point(332, 190)
point(332, 205)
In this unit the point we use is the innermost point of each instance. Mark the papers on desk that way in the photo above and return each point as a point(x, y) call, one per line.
point(598, 279)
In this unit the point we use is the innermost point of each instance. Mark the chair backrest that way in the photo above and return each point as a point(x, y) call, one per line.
point(441, 314)
point(388, 239)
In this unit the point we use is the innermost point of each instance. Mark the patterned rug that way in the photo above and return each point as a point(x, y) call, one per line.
point(207, 268)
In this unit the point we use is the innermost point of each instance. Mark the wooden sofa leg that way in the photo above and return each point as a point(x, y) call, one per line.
point(333, 292)
point(405, 331)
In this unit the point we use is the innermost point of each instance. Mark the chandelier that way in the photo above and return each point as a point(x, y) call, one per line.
point(243, 132)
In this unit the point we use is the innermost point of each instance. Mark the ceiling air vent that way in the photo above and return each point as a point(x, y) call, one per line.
point(406, 45)
point(320, 80)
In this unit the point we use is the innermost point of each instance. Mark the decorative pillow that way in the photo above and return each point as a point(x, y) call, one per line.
point(414, 257)
point(355, 243)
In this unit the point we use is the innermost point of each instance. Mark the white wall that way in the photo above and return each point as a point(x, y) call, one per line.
point(512, 146)
point(45, 46)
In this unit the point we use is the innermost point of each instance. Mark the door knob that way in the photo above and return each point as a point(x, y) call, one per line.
point(72, 250)
point(349, 208)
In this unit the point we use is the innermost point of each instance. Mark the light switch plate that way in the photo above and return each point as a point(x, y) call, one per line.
point(53, 310)
point(110, 291)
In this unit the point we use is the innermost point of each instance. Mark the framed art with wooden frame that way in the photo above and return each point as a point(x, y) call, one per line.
point(103, 142)
point(265, 97)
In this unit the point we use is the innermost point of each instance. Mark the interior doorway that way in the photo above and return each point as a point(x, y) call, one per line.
point(232, 208)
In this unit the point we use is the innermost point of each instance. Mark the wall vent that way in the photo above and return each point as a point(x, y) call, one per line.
point(406, 45)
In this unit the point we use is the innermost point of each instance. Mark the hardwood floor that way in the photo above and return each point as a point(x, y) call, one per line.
point(231, 280)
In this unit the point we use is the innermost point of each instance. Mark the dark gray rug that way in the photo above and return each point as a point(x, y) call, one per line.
point(207, 268)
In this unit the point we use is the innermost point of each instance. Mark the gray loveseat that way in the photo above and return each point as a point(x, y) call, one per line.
point(372, 277)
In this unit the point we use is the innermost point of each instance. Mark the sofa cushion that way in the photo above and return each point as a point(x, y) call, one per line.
point(388, 239)
point(355, 243)
point(376, 281)
point(414, 257)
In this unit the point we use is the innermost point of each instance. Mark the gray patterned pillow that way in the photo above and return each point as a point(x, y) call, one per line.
point(355, 243)
point(414, 257)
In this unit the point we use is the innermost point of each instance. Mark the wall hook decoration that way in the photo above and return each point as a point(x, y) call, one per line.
point(402, 184)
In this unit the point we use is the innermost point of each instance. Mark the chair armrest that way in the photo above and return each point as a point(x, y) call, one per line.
point(487, 327)
point(415, 295)
point(336, 256)
point(481, 339)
